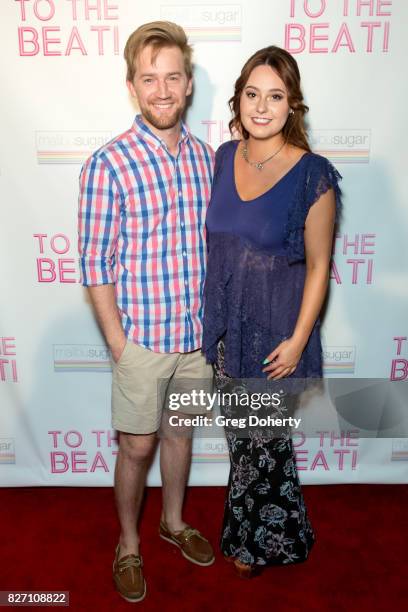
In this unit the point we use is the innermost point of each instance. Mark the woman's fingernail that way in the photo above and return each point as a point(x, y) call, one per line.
point(266, 360)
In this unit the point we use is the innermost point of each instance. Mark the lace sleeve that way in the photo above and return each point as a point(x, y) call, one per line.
point(319, 176)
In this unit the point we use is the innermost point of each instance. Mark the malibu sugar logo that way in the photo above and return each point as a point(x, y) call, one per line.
point(7, 453)
point(68, 146)
point(339, 359)
point(81, 358)
point(342, 146)
point(210, 450)
point(206, 22)
point(399, 449)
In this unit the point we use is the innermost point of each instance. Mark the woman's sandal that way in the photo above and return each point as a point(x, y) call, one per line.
point(243, 570)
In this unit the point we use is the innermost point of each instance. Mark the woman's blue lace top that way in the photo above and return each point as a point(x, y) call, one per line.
point(256, 266)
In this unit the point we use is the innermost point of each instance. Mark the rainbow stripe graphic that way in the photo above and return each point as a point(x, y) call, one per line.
point(210, 458)
point(345, 157)
point(399, 456)
point(7, 458)
point(82, 366)
point(213, 34)
point(62, 157)
point(339, 368)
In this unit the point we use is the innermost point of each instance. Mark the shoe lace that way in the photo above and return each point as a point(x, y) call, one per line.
point(132, 561)
point(190, 531)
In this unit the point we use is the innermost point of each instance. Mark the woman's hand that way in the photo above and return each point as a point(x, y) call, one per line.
point(284, 359)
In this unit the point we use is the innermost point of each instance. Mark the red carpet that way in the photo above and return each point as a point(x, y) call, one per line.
point(64, 539)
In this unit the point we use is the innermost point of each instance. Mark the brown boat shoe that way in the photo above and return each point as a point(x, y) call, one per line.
point(128, 576)
point(192, 544)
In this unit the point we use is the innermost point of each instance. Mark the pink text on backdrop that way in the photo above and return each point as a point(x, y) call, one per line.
point(324, 37)
point(53, 268)
point(57, 40)
point(359, 268)
point(216, 131)
point(399, 365)
point(8, 367)
point(80, 461)
point(337, 451)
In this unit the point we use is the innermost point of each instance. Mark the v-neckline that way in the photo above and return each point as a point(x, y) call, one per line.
point(269, 188)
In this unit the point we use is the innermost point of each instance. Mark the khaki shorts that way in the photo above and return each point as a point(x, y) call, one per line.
point(143, 380)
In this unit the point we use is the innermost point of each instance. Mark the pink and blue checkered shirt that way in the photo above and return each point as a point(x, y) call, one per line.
point(141, 226)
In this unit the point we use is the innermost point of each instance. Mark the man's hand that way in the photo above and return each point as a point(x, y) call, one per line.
point(104, 302)
point(118, 348)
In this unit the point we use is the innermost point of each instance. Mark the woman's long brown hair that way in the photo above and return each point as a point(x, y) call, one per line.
point(285, 65)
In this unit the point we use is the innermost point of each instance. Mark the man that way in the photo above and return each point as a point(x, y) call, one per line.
point(142, 205)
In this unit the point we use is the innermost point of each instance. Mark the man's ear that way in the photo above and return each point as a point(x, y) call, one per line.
point(189, 87)
point(131, 88)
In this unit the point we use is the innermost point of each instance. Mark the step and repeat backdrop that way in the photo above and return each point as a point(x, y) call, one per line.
point(64, 95)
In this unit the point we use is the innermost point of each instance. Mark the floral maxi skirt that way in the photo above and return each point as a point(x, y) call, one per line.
point(265, 518)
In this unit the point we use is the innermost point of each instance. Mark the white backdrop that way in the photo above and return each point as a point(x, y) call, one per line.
point(64, 95)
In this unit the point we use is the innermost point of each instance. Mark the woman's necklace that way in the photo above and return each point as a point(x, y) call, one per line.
point(260, 164)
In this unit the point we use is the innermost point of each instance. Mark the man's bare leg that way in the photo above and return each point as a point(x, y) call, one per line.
point(175, 461)
point(132, 463)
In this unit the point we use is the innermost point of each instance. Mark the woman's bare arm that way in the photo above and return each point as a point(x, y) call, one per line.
point(318, 236)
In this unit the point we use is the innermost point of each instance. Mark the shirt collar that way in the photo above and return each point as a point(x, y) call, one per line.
point(143, 132)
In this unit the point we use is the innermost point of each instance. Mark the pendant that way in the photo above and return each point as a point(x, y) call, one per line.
point(259, 166)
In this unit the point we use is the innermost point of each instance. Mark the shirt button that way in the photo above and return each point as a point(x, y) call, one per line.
point(182, 224)
point(185, 253)
point(188, 310)
point(180, 193)
point(186, 282)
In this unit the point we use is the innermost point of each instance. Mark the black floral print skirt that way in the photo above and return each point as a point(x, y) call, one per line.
point(265, 518)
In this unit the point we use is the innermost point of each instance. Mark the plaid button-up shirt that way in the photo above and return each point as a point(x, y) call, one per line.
point(141, 226)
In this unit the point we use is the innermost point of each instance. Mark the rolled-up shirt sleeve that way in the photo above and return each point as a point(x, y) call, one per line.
point(98, 222)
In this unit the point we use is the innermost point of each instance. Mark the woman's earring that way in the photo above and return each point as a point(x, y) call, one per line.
point(291, 112)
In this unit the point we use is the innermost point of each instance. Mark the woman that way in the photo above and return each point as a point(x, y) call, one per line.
point(270, 229)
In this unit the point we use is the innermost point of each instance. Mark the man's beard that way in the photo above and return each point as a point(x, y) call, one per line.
point(163, 122)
